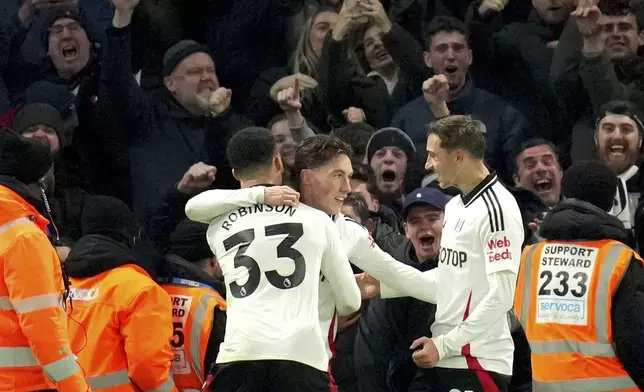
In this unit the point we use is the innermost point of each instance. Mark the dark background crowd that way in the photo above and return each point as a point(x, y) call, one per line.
point(139, 104)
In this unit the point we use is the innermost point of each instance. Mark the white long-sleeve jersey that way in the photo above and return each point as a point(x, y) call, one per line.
point(360, 248)
point(476, 276)
point(272, 259)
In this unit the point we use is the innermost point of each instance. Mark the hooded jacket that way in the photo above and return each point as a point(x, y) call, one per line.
point(31, 286)
point(575, 220)
point(123, 319)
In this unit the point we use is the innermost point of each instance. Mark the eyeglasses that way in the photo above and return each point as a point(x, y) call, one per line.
point(58, 30)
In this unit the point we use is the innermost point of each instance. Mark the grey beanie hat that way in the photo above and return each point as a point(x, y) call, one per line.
point(390, 137)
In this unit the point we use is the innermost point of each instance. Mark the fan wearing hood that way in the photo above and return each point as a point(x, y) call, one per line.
point(122, 317)
point(63, 196)
point(605, 274)
point(198, 306)
point(33, 324)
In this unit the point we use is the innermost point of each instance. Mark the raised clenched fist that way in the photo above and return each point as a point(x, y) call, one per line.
point(220, 100)
point(488, 6)
point(436, 90)
point(197, 179)
point(354, 115)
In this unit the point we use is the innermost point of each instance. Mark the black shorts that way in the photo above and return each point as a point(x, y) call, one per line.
point(459, 380)
point(269, 376)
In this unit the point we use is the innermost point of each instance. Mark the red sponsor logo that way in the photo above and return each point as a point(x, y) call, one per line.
point(499, 249)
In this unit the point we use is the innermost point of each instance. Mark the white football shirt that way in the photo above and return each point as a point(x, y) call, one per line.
point(272, 258)
point(476, 277)
point(355, 241)
point(366, 255)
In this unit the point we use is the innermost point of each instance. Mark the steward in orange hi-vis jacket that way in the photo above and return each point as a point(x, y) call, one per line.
point(121, 319)
point(35, 352)
point(198, 309)
point(580, 293)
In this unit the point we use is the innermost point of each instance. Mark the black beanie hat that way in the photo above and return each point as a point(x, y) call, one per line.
point(624, 108)
point(178, 52)
point(188, 241)
point(51, 16)
point(24, 159)
point(592, 182)
point(390, 137)
point(39, 114)
point(110, 217)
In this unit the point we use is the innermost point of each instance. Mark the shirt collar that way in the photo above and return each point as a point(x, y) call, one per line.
point(483, 185)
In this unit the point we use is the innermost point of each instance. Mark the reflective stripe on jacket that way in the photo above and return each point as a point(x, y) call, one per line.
point(35, 351)
point(193, 307)
point(123, 320)
point(563, 300)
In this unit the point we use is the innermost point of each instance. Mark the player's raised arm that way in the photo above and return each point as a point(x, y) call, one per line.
point(398, 279)
point(337, 270)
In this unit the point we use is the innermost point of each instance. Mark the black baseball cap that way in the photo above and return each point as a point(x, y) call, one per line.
point(424, 196)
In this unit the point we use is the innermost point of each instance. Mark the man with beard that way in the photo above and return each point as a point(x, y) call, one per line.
point(184, 122)
point(580, 293)
point(388, 152)
point(538, 170)
point(451, 91)
point(618, 137)
point(601, 65)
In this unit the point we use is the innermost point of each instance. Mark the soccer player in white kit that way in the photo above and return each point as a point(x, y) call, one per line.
point(471, 348)
point(272, 258)
point(321, 173)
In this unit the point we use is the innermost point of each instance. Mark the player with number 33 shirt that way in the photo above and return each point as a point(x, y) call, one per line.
point(272, 257)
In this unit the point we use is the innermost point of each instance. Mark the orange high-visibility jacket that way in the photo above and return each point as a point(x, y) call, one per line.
point(35, 351)
point(193, 309)
point(563, 300)
point(123, 320)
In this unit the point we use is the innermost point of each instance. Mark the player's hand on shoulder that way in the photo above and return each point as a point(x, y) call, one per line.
point(281, 196)
point(425, 352)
